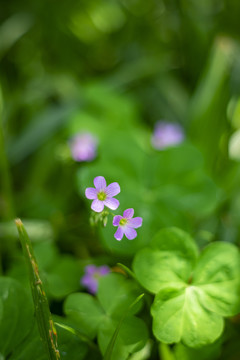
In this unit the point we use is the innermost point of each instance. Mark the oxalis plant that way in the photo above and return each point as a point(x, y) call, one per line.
point(173, 300)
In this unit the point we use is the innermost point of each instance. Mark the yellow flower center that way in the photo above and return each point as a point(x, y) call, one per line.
point(96, 276)
point(123, 222)
point(101, 195)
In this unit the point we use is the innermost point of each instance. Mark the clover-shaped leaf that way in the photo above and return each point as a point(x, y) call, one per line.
point(169, 260)
point(85, 311)
point(100, 316)
point(131, 337)
point(192, 294)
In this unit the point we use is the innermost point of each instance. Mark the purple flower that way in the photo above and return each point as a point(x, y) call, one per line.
point(167, 134)
point(126, 225)
point(83, 147)
point(92, 275)
point(103, 194)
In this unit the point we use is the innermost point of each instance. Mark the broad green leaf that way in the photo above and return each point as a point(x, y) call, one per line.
point(112, 342)
point(64, 324)
point(63, 277)
point(117, 302)
point(178, 315)
point(71, 346)
point(217, 276)
point(156, 270)
point(132, 336)
point(176, 241)
point(85, 311)
point(30, 348)
point(192, 295)
point(16, 315)
point(116, 294)
point(169, 260)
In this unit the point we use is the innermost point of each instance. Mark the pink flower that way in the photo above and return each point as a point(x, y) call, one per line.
point(83, 147)
point(126, 225)
point(102, 195)
point(167, 134)
point(92, 275)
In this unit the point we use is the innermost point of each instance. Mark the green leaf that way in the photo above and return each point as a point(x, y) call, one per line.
point(192, 295)
point(155, 270)
point(132, 336)
point(169, 260)
point(217, 276)
point(16, 315)
point(110, 347)
point(178, 315)
point(73, 345)
point(116, 294)
point(78, 334)
point(63, 277)
point(31, 348)
point(109, 314)
point(176, 241)
point(85, 312)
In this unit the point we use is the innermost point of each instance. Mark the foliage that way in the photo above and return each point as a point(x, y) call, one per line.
point(112, 71)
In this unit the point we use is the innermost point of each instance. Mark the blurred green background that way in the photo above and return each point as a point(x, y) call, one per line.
point(114, 68)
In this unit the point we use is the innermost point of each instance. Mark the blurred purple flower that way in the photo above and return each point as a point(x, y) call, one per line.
point(92, 275)
point(126, 225)
point(83, 147)
point(167, 134)
point(103, 194)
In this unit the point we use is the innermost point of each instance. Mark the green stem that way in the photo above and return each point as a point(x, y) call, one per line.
point(165, 352)
point(45, 323)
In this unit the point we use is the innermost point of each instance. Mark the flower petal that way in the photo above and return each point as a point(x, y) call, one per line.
point(103, 270)
point(111, 203)
point(119, 234)
point(128, 213)
point(90, 269)
point(90, 283)
point(135, 222)
point(100, 183)
point(91, 193)
point(116, 220)
point(113, 189)
point(130, 232)
point(97, 205)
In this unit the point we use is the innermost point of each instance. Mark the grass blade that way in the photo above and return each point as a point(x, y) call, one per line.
point(45, 323)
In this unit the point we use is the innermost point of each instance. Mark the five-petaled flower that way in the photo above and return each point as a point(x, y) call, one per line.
point(167, 134)
point(83, 147)
point(102, 195)
point(92, 275)
point(126, 225)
